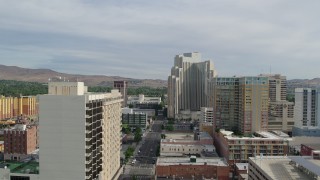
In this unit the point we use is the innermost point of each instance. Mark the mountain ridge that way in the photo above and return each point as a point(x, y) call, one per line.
point(43, 75)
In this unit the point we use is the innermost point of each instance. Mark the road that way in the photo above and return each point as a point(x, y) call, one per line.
point(146, 154)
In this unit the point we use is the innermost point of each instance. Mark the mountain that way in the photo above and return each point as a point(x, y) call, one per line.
point(302, 83)
point(43, 75)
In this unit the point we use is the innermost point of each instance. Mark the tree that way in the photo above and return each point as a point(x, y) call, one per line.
point(138, 134)
point(170, 127)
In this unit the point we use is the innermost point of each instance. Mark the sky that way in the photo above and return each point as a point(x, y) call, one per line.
point(139, 38)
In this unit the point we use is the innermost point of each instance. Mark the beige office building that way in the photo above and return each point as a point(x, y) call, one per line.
point(188, 84)
point(79, 133)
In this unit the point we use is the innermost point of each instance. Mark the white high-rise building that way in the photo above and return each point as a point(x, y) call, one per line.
point(306, 110)
point(188, 83)
point(79, 133)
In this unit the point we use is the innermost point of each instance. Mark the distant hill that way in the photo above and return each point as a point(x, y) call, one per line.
point(302, 83)
point(43, 75)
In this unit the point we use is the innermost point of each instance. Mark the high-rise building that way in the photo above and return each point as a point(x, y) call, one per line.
point(253, 104)
point(306, 112)
point(240, 103)
point(188, 83)
point(79, 133)
point(225, 102)
point(122, 86)
point(280, 110)
point(11, 107)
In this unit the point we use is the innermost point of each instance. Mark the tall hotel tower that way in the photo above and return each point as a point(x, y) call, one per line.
point(79, 133)
point(187, 84)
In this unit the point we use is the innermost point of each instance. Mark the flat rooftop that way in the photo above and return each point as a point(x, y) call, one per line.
point(21, 167)
point(167, 161)
point(242, 166)
point(281, 167)
point(262, 135)
point(182, 136)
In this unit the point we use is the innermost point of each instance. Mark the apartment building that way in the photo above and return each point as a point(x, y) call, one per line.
point(79, 133)
point(19, 142)
point(11, 107)
point(187, 83)
point(281, 112)
point(239, 148)
point(306, 113)
point(240, 103)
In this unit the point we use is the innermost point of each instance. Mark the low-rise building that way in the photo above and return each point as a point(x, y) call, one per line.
point(192, 168)
point(200, 144)
point(310, 150)
point(144, 102)
point(132, 119)
point(241, 171)
point(306, 131)
point(283, 167)
point(239, 149)
point(20, 142)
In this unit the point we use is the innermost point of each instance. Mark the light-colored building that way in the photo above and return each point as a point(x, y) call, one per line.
point(254, 103)
point(188, 83)
point(306, 113)
point(142, 99)
point(306, 107)
point(283, 167)
point(206, 115)
point(11, 107)
point(134, 119)
point(192, 168)
point(199, 143)
point(281, 111)
point(238, 148)
point(79, 133)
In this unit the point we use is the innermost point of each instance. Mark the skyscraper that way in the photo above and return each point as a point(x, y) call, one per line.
point(122, 86)
point(79, 133)
point(240, 103)
point(254, 102)
point(280, 110)
point(188, 83)
point(306, 111)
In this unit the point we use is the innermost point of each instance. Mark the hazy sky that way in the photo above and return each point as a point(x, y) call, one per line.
point(139, 38)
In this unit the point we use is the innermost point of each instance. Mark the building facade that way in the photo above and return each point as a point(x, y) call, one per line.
point(281, 112)
point(11, 107)
point(79, 133)
point(240, 103)
point(19, 142)
point(188, 83)
point(192, 168)
point(135, 120)
point(239, 149)
point(306, 107)
point(122, 86)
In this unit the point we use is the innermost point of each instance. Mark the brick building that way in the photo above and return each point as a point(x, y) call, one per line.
point(192, 168)
point(19, 142)
point(310, 150)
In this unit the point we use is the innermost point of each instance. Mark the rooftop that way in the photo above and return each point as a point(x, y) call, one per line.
point(242, 166)
point(31, 167)
point(315, 146)
point(261, 135)
point(166, 161)
point(283, 167)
